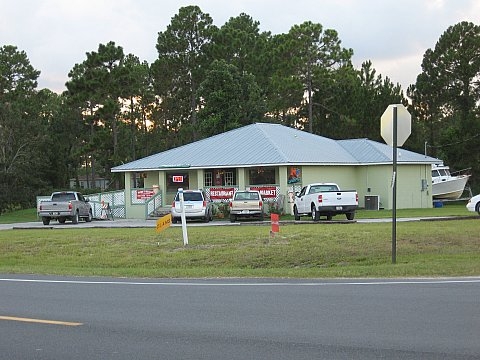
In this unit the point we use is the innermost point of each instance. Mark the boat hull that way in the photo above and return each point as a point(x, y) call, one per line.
point(450, 189)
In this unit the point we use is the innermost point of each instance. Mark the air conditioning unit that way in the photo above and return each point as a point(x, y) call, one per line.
point(372, 202)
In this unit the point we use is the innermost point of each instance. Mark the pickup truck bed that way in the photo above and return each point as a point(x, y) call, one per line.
point(325, 199)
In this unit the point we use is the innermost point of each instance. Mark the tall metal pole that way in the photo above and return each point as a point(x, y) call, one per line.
point(394, 210)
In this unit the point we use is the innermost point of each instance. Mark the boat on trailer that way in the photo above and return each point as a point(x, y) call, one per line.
point(446, 185)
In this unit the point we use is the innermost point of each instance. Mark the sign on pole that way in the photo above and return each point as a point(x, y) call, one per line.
point(404, 124)
point(395, 128)
point(183, 217)
point(163, 223)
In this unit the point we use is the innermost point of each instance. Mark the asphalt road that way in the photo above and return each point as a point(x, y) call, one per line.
point(106, 318)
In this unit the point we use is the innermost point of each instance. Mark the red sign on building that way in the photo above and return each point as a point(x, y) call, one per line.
point(144, 194)
point(221, 193)
point(177, 178)
point(266, 191)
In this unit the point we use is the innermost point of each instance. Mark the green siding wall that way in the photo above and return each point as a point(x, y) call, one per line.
point(366, 180)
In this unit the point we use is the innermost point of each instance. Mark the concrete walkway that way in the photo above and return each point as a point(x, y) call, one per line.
point(117, 223)
point(151, 223)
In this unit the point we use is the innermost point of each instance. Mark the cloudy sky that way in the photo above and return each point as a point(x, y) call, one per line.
point(393, 34)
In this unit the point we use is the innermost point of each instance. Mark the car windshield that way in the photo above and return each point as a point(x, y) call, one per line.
point(63, 197)
point(191, 196)
point(246, 196)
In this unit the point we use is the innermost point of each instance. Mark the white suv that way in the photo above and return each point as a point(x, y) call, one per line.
point(196, 206)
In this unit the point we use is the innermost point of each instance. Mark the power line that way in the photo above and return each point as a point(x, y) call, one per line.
point(453, 143)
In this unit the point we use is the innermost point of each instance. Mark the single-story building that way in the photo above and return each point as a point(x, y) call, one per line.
point(278, 160)
point(83, 182)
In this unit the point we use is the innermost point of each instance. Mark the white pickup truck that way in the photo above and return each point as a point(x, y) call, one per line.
point(325, 199)
point(65, 205)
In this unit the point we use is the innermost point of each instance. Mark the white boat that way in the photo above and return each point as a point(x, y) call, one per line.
point(446, 185)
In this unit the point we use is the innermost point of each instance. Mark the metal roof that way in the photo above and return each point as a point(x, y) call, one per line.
point(271, 144)
point(372, 152)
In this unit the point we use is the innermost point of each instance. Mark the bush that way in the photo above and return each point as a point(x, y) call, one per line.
point(221, 210)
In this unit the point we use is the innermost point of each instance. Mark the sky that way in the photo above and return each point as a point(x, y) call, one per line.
point(393, 34)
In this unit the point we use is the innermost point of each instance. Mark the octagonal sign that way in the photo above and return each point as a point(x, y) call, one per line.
point(404, 124)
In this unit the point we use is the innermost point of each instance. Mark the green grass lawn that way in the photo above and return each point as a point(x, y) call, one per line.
point(424, 249)
point(25, 215)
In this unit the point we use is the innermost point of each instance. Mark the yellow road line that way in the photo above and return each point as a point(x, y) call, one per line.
point(40, 321)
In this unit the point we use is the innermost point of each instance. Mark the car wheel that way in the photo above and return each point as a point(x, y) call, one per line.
point(477, 208)
point(329, 217)
point(350, 215)
point(89, 217)
point(233, 218)
point(315, 214)
point(206, 219)
point(295, 213)
point(174, 220)
point(61, 220)
point(75, 218)
point(45, 220)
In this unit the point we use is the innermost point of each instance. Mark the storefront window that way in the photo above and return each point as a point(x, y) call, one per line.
point(262, 175)
point(229, 178)
point(208, 180)
point(136, 180)
point(219, 177)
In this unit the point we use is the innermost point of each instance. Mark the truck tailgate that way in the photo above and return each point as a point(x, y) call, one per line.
point(242, 205)
point(49, 206)
point(339, 198)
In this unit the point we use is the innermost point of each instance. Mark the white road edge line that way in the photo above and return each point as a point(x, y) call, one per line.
point(207, 283)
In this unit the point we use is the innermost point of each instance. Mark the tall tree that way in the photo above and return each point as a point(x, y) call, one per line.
point(284, 90)
point(317, 53)
point(138, 102)
point(21, 132)
point(350, 102)
point(97, 86)
point(239, 42)
point(376, 94)
point(60, 153)
point(180, 68)
point(446, 97)
point(229, 99)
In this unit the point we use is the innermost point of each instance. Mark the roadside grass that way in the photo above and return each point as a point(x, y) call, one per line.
point(424, 249)
point(453, 209)
point(17, 216)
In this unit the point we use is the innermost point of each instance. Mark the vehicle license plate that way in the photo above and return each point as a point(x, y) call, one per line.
point(339, 208)
point(245, 211)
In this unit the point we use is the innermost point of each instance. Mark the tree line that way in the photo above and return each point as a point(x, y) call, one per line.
point(208, 80)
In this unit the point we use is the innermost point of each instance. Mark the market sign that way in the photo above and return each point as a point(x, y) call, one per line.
point(266, 191)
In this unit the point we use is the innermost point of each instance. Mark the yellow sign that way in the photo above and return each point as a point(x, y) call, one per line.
point(164, 222)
